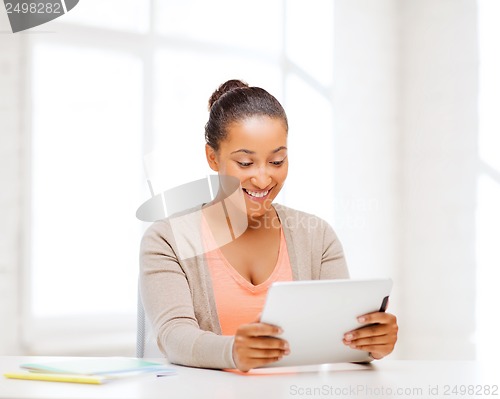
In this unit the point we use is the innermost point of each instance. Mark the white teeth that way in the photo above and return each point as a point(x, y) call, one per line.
point(258, 195)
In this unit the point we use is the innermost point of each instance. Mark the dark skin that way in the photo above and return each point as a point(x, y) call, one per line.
point(241, 253)
point(254, 151)
point(378, 338)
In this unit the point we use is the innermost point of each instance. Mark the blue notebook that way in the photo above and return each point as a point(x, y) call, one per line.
point(105, 366)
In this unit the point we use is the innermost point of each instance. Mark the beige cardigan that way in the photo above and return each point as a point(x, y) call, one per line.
point(177, 294)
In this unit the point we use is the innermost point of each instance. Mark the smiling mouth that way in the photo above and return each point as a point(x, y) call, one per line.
point(257, 194)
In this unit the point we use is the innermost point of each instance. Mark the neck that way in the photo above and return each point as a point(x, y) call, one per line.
point(268, 220)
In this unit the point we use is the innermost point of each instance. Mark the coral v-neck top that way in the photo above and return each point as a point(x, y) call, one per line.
point(237, 300)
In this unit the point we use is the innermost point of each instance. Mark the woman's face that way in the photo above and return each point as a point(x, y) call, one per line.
point(255, 152)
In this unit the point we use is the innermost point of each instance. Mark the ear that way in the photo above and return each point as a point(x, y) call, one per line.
point(211, 158)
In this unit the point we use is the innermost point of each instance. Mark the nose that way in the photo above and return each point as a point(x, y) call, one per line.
point(261, 179)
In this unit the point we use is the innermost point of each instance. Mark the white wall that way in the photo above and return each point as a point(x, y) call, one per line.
point(439, 164)
point(405, 162)
point(11, 182)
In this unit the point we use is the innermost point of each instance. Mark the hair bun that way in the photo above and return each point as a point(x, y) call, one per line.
point(225, 88)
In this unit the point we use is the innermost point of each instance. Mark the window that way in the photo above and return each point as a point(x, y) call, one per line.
point(117, 80)
point(86, 182)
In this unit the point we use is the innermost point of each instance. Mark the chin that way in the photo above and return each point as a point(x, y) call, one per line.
point(256, 210)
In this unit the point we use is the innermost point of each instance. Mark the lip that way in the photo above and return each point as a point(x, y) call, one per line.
point(258, 191)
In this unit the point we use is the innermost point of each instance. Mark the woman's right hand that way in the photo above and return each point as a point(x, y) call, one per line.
point(255, 345)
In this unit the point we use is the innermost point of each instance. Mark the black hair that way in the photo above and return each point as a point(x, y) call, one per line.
point(235, 101)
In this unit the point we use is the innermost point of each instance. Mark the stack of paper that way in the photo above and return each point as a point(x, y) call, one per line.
point(90, 371)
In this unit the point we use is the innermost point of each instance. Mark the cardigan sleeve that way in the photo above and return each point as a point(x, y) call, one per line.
point(167, 298)
point(333, 262)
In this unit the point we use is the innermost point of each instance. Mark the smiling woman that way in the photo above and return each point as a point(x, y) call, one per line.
point(205, 309)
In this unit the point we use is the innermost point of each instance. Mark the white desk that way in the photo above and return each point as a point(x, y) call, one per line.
point(382, 379)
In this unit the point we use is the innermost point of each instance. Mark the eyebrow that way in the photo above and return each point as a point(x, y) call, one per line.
point(253, 152)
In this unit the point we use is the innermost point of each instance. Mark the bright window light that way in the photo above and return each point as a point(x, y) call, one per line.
point(311, 142)
point(126, 15)
point(87, 175)
point(307, 44)
point(247, 24)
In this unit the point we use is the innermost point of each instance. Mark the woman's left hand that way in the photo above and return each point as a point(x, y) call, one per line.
point(378, 338)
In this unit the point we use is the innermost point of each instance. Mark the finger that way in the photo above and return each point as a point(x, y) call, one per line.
point(372, 330)
point(377, 317)
point(377, 351)
point(252, 353)
point(374, 321)
point(267, 361)
point(258, 330)
point(377, 340)
point(266, 343)
point(253, 363)
point(250, 358)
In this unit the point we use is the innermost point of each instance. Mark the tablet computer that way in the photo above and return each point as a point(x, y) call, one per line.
point(315, 315)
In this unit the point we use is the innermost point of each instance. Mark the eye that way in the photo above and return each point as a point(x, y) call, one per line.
point(244, 164)
point(278, 163)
